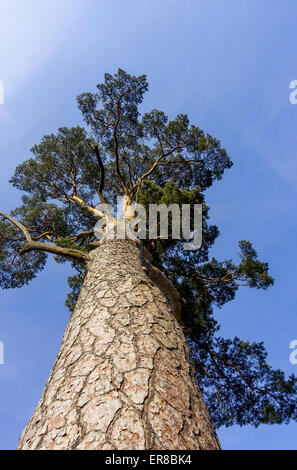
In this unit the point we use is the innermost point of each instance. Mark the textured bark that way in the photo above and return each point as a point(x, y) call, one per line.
point(122, 378)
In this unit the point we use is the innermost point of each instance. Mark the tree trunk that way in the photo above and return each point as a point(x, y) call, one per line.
point(122, 378)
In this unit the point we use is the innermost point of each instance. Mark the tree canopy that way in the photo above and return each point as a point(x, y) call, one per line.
point(150, 159)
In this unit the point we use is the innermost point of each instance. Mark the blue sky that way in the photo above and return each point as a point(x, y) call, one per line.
point(228, 64)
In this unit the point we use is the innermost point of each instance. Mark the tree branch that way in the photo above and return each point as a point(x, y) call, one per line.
point(19, 225)
point(82, 203)
point(56, 250)
point(42, 246)
point(251, 387)
point(83, 234)
point(229, 277)
point(156, 163)
point(116, 151)
point(102, 174)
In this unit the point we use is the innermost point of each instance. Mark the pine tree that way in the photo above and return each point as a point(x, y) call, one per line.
point(142, 326)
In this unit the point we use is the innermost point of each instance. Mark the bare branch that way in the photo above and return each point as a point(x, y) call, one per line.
point(84, 205)
point(75, 199)
point(154, 166)
point(41, 246)
point(83, 234)
point(56, 250)
point(101, 183)
point(19, 225)
point(178, 162)
point(229, 277)
point(102, 174)
point(116, 150)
